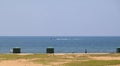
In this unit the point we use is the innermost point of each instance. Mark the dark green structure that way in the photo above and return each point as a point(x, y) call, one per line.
point(50, 50)
point(118, 50)
point(16, 50)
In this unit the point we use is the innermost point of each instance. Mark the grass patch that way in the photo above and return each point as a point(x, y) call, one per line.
point(93, 63)
point(16, 56)
point(50, 59)
point(110, 55)
point(9, 57)
point(71, 59)
point(60, 58)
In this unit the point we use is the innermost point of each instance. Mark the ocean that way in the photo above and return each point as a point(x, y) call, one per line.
point(61, 44)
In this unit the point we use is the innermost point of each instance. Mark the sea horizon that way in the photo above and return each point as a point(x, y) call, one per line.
point(62, 44)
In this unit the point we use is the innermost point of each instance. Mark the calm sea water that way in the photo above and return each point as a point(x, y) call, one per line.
point(38, 44)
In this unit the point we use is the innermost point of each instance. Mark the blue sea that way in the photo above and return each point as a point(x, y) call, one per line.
point(61, 44)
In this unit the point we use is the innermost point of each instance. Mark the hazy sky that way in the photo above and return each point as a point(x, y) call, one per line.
point(59, 17)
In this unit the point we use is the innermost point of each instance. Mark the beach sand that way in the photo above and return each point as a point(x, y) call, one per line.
point(28, 62)
point(18, 63)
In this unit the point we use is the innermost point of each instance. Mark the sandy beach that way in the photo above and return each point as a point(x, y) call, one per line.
point(18, 63)
point(56, 59)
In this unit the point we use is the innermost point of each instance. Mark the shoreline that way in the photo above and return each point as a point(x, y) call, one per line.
point(55, 53)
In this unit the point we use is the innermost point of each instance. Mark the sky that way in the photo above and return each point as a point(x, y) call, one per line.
point(59, 17)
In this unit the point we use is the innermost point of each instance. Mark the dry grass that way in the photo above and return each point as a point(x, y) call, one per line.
point(60, 59)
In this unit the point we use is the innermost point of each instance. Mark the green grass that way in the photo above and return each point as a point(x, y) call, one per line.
point(93, 63)
point(111, 55)
point(16, 56)
point(70, 59)
point(8, 57)
point(61, 58)
point(50, 59)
